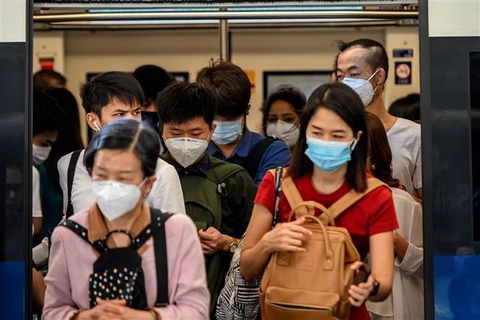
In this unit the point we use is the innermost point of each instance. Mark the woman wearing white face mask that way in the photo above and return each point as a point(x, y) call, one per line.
point(120, 259)
point(329, 161)
point(281, 114)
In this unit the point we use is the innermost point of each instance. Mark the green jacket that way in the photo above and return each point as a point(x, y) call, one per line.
point(221, 195)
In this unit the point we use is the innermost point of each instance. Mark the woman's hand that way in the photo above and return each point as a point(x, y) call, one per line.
point(113, 310)
point(287, 237)
point(360, 293)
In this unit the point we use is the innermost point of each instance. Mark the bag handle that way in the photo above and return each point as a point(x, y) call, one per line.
point(328, 262)
point(351, 197)
point(311, 205)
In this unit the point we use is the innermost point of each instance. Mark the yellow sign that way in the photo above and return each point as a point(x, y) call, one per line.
point(251, 77)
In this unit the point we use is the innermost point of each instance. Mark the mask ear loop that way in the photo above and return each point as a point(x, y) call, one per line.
point(373, 75)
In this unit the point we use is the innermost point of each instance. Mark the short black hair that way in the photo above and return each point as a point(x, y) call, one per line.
point(232, 86)
point(152, 79)
point(126, 134)
point(407, 107)
point(181, 102)
point(47, 114)
point(376, 56)
point(287, 93)
point(102, 89)
point(42, 80)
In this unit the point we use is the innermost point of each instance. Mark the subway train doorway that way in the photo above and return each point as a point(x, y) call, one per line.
point(275, 43)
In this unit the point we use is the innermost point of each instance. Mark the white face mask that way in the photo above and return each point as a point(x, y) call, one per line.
point(285, 131)
point(186, 151)
point(40, 154)
point(116, 198)
point(362, 87)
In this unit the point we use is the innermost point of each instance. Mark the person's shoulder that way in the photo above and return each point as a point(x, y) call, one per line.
point(180, 225)
point(379, 195)
point(402, 197)
point(80, 218)
point(64, 161)
point(35, 174)
point(412, 127)
point(163, 166)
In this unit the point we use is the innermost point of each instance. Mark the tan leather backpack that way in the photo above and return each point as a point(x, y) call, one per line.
point(313, 285)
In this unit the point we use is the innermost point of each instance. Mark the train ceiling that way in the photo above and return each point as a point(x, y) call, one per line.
point(154, 14)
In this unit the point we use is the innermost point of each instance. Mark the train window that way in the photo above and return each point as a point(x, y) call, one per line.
point(475, 140)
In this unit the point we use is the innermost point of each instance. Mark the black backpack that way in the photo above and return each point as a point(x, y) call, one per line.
point(118, 273)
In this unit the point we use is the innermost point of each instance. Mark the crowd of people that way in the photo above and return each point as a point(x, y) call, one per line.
point(144, 219)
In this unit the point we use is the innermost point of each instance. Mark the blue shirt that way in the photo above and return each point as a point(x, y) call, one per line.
point(276, 155)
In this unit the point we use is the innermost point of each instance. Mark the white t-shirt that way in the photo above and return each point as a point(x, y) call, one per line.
point(36, 203)
point(406, 300)
point(166, 194)
point(404, 138)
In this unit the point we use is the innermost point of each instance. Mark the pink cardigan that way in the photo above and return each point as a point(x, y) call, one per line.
point(71, 263)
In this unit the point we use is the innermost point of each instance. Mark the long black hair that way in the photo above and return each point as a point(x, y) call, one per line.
point(127, 134)
point(346, 103)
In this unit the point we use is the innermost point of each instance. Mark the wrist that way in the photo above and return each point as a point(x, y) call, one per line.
point(80, 315)
point(225, 242)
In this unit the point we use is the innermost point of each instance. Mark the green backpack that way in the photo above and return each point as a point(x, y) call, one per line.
point(203, 203)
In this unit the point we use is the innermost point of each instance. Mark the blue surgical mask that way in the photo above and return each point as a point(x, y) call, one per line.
point(329, 156)
point(227, 131)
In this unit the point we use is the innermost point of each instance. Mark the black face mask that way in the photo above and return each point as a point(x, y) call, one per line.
point(151, 118)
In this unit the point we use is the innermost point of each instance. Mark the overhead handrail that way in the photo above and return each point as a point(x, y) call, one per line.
point(315, 14)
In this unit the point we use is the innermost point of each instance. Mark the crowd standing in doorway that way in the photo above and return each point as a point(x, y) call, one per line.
point(176, 210)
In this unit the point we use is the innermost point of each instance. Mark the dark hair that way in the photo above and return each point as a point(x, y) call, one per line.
point(341, 99)
point(42, 80)
point(287, 93)
point(47, 115)
point(181, 102)
point(127, 134)
point(232, 86)
point(152, 79)
point(379, 151)
point(102, 89)
point(407, 107)
point(70, 138)
point(376, 55)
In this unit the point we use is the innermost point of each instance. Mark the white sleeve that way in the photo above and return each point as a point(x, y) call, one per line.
point(417, 171)
point(62, 166)
point(36, 202)
point(412, 263)
point(166, 194)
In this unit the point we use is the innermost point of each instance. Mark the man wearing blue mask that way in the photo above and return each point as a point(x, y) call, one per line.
point(232, 141)
point(363, 65)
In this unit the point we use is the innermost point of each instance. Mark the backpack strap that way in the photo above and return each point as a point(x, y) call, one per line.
point(351, 197)
point(72, 165)
point(82, 233)
point(252, 161)
point(161, 262)
point(293, 196)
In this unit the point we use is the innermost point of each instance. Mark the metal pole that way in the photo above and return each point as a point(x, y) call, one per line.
point(224, 40)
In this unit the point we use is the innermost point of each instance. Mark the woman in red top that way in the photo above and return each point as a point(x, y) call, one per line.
point(329, 160)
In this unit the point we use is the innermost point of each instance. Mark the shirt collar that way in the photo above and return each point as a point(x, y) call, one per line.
point(199, 166)
point(241, 150)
